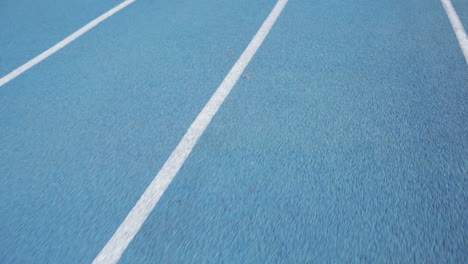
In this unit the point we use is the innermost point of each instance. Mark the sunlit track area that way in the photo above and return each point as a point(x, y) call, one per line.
point(246, 131)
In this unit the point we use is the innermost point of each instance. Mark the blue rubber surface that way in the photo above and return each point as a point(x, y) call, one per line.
point(29, 27)
point(346, 139)
point(337, 149)
point(84, 137)
point(461, 7)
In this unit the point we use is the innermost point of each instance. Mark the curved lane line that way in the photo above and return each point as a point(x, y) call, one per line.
point(28, 65)
point(115, 247)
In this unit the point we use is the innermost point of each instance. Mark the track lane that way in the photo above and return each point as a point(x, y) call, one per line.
point(346, 142)
point(83, 133)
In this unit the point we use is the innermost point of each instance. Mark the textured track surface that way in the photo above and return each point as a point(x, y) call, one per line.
point(345, 140)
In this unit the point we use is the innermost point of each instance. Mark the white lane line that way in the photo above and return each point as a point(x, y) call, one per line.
point(457, 27)
point(63, 43)
point(114, 248)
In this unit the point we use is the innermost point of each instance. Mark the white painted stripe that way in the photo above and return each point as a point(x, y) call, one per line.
point(457, 27)
point(63, 43)
point(113, 250)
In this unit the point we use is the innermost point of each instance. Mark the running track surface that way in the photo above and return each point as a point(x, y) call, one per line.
point(345, 140)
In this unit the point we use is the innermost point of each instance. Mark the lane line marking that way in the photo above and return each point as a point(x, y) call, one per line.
point(457, 27)
point(28, 65)
point(115, 247)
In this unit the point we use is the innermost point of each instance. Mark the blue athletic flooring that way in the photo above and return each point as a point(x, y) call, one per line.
point(86, 131)
point(346, 139)
point(461, 7)
point(29, 27)
point(343, 145)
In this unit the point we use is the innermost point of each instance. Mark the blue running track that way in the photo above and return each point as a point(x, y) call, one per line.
point(344, 141)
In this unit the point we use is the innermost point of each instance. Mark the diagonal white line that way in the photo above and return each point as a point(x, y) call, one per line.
point(28, 65)
point(457, 27)
point(115, 247)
